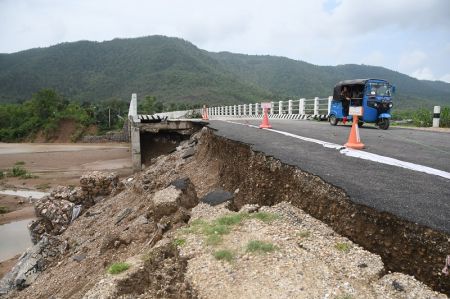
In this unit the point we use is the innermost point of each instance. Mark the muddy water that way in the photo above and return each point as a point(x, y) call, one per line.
point(15, 239)
point(24, 193)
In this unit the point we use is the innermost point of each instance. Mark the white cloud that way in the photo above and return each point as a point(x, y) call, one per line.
point(445, 78)
point(412, 60)
point(394, 34)
point(423, 74)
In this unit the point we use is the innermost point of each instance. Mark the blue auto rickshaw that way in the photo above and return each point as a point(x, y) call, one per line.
point(374, 95)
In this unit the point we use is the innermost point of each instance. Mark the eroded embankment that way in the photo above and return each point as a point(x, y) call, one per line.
point(404, 246)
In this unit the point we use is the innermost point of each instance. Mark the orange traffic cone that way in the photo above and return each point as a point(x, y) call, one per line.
point(354, 141)
point(265, 121)
point(205, 113)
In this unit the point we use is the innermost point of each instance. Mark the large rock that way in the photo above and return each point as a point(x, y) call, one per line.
point(173, 201)
point(31, 264)
point(217, 197)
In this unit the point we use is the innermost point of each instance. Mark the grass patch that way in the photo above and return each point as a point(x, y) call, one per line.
point(19, 171)
point(215, 230)
point(304, 234)
point(2, 174)
point(179, 242)
point(117, 268)
point(260, 246)
point(3, 210)
point(265, 216)
point(344, 247)
point(224, 255)
point(232, 219)
point(214, 240)
point(19, 163)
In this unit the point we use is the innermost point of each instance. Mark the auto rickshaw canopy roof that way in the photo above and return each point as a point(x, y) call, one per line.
point(338, 86)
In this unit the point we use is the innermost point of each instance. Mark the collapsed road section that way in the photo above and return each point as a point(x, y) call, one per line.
point(405, 246)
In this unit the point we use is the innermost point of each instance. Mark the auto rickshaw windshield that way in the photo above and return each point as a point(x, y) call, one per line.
point(379, 89)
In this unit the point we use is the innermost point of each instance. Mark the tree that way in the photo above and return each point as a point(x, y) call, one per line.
point(46, 103)
point(147, 106)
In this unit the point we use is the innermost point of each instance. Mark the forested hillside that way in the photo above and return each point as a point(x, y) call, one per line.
point(175, 71)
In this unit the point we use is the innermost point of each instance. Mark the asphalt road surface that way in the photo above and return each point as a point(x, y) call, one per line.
point(414, 195)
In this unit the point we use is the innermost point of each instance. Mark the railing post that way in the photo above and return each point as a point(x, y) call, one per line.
point(280, 107)
point(301, 107)
point(239, 109)
point(234, 110)
point(272, 105)
point(250, 109)
point(245, 109)
point(316, 106)
point(436, 116)
point(290, 107)
point(330, 98)
point(256, 108)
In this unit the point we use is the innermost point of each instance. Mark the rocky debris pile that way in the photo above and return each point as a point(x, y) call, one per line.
point(56, 211)
point(32, 263)
point(53, 217)
point(98, 183)
point(92, 186)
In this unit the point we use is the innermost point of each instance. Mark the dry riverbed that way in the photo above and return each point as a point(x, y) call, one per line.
point(51, 165)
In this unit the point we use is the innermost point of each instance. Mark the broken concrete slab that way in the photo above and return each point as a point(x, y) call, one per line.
point(217, 197)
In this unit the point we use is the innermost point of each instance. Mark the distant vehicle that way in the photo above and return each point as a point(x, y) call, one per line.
point(373, 95)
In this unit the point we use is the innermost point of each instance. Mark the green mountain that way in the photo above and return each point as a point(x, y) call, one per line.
point(174, 70)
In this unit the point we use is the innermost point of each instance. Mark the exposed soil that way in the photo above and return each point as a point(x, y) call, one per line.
point(312, 258)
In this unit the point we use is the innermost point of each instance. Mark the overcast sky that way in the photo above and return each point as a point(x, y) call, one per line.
point(409, 36)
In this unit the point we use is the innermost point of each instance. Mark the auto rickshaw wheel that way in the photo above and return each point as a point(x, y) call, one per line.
point(383, 123)
point(333, 120)
point(360, 123)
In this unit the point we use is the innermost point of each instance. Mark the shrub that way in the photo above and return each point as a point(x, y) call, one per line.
point(3, 210)
point(445, 117)
point(117, 268)
point(17, 170)
point(423, 118)
point(260, 246)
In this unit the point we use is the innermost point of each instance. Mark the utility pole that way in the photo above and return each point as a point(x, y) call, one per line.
point(109, 118)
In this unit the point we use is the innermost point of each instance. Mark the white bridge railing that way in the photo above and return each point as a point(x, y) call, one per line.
point(317, 108)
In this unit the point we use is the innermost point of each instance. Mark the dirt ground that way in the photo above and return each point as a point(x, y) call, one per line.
point(53, 164)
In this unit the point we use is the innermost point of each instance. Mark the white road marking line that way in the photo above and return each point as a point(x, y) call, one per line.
point(361, 154)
